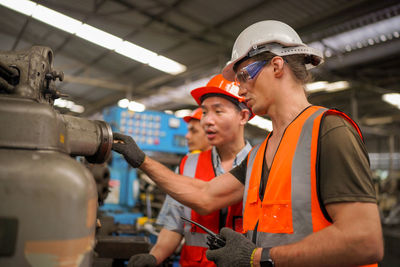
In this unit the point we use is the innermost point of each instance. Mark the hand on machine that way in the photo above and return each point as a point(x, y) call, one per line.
point(125, 145)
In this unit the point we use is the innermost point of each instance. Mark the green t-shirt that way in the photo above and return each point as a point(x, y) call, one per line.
point(345, 175)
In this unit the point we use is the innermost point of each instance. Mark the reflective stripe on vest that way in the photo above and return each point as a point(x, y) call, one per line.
point(285, 217)
point(201, 167)
point(192, 238)
point(250, 162)
point(195, 238)
point(283, 221)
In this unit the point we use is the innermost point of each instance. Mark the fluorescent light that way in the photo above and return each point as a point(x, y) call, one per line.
point(135, 106)
point(316, 86)
point(94, 35)
point(182, 113)
point(22, 6)
point(261, 123)
point(325, 86)
point(131, 105)
point(167, 65)
point(123, 103)
point(63, 103)
point(77, 109)
point(135, 52)
point(337, 86)
point(56, 19)
point(60, 103)
point(393, 99)
point(98, 37)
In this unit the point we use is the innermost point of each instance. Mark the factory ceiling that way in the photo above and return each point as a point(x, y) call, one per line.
point(360, 39)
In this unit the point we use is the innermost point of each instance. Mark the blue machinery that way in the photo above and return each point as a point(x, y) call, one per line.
point(153, 131)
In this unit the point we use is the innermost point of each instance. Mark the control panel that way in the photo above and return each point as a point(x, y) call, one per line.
point(152, 130)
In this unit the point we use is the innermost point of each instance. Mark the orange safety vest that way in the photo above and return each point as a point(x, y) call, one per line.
point(193, 252)
point(287, 213)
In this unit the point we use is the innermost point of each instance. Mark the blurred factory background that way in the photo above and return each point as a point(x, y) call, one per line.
point(133, 63)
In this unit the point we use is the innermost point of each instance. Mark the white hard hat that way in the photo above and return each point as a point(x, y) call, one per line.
point(273, 36)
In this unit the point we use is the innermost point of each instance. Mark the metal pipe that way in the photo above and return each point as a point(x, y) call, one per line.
point(92, 139)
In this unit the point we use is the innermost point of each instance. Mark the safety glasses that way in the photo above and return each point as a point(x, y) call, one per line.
point(249, 72)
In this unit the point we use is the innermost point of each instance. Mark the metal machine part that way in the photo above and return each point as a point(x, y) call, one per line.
point(48, 200)
point(101, 174)
point(92, 139)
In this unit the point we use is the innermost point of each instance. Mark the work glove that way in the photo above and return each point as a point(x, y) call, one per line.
point(142, 260)
point(128, 148)
point(236, 252)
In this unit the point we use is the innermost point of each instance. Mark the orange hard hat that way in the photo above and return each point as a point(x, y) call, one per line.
point(219, 85)
point(196, 115)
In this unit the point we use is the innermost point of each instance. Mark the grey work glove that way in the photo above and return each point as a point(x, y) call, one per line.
point(129, 149)
point(236, 252)
point(142, 260)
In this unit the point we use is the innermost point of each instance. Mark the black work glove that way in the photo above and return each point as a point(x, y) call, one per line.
point(142, 260)
point(236, 252)
point(131, 152)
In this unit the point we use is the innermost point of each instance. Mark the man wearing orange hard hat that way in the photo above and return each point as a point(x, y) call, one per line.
point(196, 137)
point(222, 117)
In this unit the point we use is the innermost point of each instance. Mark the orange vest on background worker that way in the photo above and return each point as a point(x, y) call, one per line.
point(193, 251)
point(290, 209)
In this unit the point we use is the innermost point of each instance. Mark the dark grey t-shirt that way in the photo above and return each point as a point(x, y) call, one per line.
point(345, 175)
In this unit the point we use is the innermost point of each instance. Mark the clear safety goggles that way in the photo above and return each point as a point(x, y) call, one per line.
point(249, 72)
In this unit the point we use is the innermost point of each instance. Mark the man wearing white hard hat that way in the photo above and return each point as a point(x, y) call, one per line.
point(307, 190)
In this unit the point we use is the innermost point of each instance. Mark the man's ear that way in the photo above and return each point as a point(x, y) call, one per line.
point(278, 64)
point(244, 116)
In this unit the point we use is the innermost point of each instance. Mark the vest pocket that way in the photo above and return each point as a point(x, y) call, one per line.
point(193, 256)
point(276, 217)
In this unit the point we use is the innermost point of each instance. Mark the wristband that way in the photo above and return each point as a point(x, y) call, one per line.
point(252, 257)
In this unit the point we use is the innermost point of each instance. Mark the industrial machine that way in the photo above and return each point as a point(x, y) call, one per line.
point(48, 200)
point(160, 135)
point(133, 201)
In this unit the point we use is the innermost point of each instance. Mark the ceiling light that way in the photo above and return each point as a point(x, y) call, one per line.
point(94, 35)
point(54, 18)
point(316, 86)
point(325, 86)
point(98, 37)
point(337, 86)
point(135, 106)
point(182, 113)
point(261, 123)
point(167, 65)
point(135, 52)
point(63, 103)
point(123, 103)
point(393, 99)
point(77, 108)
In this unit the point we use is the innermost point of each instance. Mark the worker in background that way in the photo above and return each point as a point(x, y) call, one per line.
point(196, 137)
point(307, 189)
point(223, 120)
